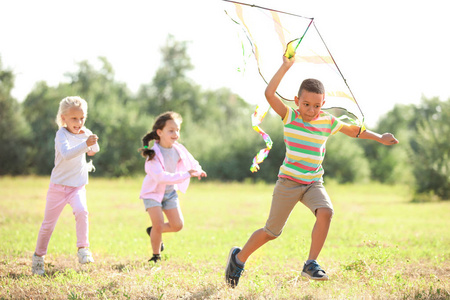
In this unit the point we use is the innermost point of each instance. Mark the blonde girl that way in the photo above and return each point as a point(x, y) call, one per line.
point(169, 167)
point(68, 179)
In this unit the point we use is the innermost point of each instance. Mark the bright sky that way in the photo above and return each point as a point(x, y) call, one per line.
point(389, 51)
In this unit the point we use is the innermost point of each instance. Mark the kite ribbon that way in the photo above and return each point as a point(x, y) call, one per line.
point(257, 118)
point(260, 112)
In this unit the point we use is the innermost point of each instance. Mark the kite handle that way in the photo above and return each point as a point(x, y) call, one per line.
point(290, 49)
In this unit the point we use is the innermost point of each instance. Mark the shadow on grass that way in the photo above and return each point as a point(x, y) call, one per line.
point(206, 292)
point(438, 294)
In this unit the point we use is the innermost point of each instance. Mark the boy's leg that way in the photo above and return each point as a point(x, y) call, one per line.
point(237, 256)
point(285, 196)
point(256, 240)
point(318, 201)
point(320, 232)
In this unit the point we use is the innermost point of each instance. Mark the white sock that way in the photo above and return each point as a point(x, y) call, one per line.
point(238, 261)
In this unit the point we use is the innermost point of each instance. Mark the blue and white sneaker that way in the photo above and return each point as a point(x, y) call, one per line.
point(233, 270)
point(314, 271)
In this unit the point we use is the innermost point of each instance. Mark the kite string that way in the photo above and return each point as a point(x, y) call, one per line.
point(339, 70)
point(269, 9)
point(300, 40)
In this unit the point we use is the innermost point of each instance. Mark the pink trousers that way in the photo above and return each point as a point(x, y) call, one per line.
point(58, 196)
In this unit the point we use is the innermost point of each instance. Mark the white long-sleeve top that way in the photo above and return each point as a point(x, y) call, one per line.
point(71, 168)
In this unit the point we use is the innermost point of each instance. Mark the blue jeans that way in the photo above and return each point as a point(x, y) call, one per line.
point(169, 201)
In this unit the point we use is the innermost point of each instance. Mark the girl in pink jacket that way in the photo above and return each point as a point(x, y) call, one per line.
point(169, 167)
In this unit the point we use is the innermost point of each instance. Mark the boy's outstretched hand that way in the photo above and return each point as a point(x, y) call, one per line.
point(388, 139)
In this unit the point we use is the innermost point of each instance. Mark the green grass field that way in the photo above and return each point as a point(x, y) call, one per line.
point(380, 246)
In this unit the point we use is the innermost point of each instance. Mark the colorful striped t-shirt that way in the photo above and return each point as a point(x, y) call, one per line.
point(305, 145)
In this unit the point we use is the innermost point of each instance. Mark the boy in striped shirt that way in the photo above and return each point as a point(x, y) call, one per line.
point(306, 131)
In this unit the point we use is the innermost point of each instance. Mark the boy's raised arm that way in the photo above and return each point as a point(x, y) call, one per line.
point(275, 102)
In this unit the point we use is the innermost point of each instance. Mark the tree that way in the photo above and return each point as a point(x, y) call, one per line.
point(40, 108)
point(15, 133)
point(392, 164)
point(171, 89)
point(113, 115)
point(431, 148)
point(422, 156)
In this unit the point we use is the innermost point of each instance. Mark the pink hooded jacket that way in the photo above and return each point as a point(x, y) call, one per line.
point(157, 178)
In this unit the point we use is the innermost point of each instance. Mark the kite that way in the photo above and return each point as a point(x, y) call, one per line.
point(265, 34)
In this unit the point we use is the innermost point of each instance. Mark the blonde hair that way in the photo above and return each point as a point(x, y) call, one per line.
point(66, 104)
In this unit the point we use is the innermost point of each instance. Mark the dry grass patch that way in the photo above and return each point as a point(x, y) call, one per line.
point(110, 278)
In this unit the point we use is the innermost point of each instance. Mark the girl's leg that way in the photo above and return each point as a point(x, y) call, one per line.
point(157, 218)
point(55, 204)
point(175, 220)
point(77, 199)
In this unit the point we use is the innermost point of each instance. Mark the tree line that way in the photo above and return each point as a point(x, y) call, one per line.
point(216, 129)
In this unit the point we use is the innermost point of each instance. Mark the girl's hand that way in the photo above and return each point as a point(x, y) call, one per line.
point(91, 153)
point(91, 140)
point(198, 174)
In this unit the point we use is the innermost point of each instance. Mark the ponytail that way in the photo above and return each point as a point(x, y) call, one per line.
point(145, 151)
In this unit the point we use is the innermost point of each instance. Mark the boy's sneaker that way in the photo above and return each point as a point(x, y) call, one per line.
point(233, 270)
point(314, 271)
point(37, 266)
point(85, 256)
point(149, 230)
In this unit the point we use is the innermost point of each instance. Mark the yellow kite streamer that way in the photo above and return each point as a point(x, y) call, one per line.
point(257, 118)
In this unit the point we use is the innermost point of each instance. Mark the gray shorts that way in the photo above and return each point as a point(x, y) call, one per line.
point(169, 201)
point(286, 194)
